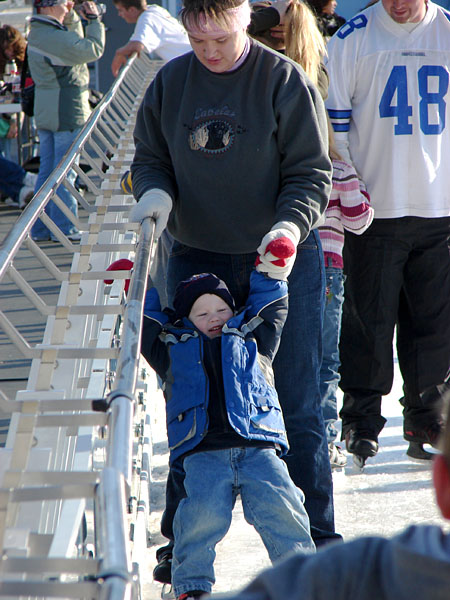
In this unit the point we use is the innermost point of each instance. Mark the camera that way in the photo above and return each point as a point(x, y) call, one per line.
point(81, 9)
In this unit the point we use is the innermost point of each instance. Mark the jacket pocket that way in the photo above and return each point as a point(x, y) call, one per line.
point(182, 422)
point(266, 414)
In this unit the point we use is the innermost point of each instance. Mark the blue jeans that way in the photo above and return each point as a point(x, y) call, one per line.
point(329, 371)
point(53, 145)
point(296, 367)
point(271, 503)
point(11, 178)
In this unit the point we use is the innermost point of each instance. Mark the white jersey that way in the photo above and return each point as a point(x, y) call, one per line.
point(389, 101)
point(161, 33)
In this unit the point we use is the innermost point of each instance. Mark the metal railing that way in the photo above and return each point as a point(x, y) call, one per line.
point(66, 473)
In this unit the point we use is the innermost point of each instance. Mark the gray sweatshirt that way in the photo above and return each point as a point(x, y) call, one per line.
point(236, 151)
point(412, 565)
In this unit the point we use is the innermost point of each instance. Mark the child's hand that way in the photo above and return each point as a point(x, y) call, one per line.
point(123, 264)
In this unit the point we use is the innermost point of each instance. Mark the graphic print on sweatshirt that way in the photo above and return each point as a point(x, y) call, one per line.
point(213, 130)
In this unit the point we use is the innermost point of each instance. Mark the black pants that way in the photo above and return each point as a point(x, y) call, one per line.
point(398, 275)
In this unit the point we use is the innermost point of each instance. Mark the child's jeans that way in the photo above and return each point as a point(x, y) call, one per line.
point(329, 371)
point(271, 503)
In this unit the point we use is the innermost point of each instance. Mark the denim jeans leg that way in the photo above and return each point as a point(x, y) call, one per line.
point(53, 146)
point(46, 152)
point(63, 141)
point(11, 179)
point(329, 371)
point(297, 368)
point(174, 493)
point(202, 519)
point(272, 503)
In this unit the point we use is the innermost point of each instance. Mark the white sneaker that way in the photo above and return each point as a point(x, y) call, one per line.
point(10, 202)
point(30, 179)
point(25, 195)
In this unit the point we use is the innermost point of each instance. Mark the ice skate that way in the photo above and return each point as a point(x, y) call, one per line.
point(338, 460)
point(417, 437)
point(167, 592)
point(362, 445)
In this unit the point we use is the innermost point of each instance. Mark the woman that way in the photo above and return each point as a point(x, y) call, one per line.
point(290, 27)
point(12, 47)
point(231, 151)
point(327, 19)
point(58, 53)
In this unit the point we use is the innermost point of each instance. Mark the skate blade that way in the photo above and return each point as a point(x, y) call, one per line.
point(359, 462)
point(167, 592)
point(416, 451)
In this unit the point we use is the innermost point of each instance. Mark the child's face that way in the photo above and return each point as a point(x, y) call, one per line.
point(209, 313)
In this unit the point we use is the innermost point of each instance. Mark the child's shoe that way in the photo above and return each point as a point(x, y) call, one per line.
point(163, 570)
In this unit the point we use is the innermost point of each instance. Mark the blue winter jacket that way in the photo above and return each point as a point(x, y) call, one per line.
point(249, 343)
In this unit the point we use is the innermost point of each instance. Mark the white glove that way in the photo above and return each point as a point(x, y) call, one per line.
point(278, 250)
point(154, 203)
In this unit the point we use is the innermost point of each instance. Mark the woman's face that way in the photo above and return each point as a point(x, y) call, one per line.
point(218, 51)
point(330, 7)
point(9, 52)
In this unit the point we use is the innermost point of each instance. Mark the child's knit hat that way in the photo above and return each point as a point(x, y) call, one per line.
point(189, 290)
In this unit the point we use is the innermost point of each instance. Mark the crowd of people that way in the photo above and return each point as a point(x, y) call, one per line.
point(294, 166)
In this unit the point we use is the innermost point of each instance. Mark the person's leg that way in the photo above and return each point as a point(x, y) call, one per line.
point(329, 371)
point(423, 331)
point(11, 178)
point(202, 519)
point(62, 142)
point(158, 267)
point(373, 263)
point(47, 152)
point(272, 503)
point(296, 368)
point(174, 493)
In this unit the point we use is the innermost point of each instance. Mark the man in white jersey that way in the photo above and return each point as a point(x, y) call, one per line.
point(156, 31)
point(389, 104)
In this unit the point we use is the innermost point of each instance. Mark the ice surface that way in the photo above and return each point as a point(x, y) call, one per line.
point(391, 493)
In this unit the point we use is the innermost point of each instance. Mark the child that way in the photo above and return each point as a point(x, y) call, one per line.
point(348, 209)
point(224, 419)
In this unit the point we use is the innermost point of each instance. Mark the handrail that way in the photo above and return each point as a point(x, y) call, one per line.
point(119, 448)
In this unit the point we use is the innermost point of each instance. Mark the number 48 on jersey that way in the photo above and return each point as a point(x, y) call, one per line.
point(433, 82)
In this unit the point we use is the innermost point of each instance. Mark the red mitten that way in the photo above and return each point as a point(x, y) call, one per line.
point(123, 264)
point(277, 253)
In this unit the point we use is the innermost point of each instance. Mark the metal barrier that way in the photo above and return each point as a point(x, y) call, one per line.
point(67, 482)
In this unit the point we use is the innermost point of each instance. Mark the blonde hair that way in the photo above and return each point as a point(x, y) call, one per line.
point(304, 42)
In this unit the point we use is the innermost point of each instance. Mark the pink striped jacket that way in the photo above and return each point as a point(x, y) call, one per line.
point(348, 208)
